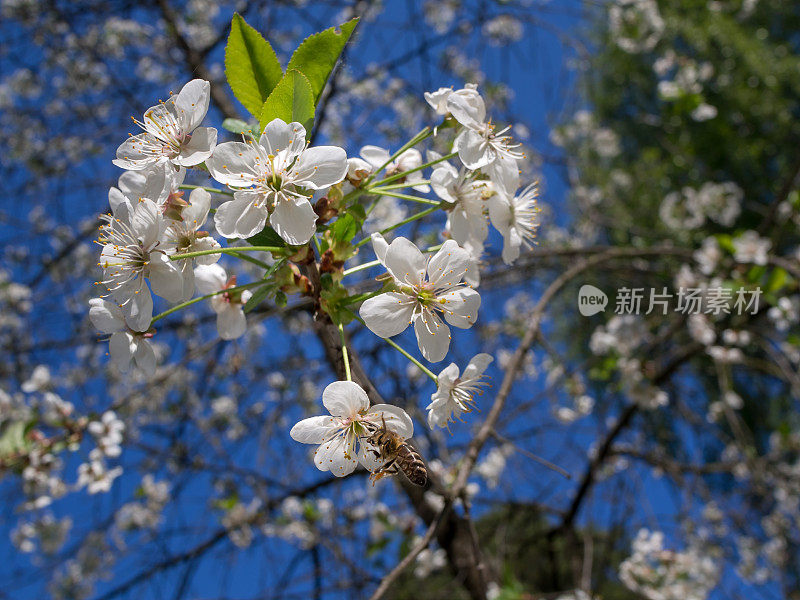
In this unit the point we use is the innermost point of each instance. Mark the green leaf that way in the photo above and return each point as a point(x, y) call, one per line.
point(251, 66)
point(291, 100)
point(776, 280)
point(266, 237)
point(237, 126)
point(318, 53)
point(344, 228)
point(257, 297)
point(12, 437)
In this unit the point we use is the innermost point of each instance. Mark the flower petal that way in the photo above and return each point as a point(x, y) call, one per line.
point(473, 150)
point(198, 148)
point(234, 164)
point(139, 307)
point(209, 278)
point(313, 430)
point(337, 456)
point(320, 167)
point(231, 322)
point(477, 366)
point(165, 278)
point(461, 307)
point(132, 155)
point(144, 356)
point(191, 104)
point(199, 204)
point(279, 135)
point(294, 220)
point(448, 265)
point(468, 108)
point(387, 314)
point(120, 348)
point(242, 217)
point(345, 399)
point(396, 419)
point(405, 262)
point(106, 316)
point(433, 336)
point(375, 155)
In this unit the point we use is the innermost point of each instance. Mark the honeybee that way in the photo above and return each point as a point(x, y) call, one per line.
point(399, 456)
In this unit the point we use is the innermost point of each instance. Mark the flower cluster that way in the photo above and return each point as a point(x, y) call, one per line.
point(303, 200)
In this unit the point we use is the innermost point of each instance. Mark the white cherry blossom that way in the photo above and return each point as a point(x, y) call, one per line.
point(280, 174)
point(132, 254)
point(454, 393)
point(465, 221)
point(751, 248)
point(438, 99)
point(126, 347)
point(231, 322)
point(517, 219)
point(479, 145)
point(156, 183)
point(184, 235)
point(425, 287)
point(171, 132)
point(376, 157)
point(351, 419)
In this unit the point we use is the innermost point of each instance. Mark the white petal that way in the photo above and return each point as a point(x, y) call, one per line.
point(120, 348)
point(139, 308)
point(472, 149)
point(462, 307)
point(132, 156)
point(198, 148)
point(396, 419)
point(199, 204)
point(337, 456)
point(504, 173)
point(209, 279)
point(231, 322)
point(320, 167)
point(345, 399)
point(500, 212)
point(147, 223)
point(387, 315)
point(233, 163)
point(313, 430)
point(512, 242)
point(380, 246)
point(242, 217)
point(468, 229)
point(166, 278)
point(294, 220)
point(447, 377)
point(477, 366)
point(279, 135)
point(448, 265)
point(375, 156)
point(206, 243)
point(191, 103)
point(433, 336)
point(467, 108)
point(106, 315)
point(144, 356)
point(367, 457)
point(443, 178)
point(405, 262)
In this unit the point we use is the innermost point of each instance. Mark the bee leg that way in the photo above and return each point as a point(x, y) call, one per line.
point(390, 468)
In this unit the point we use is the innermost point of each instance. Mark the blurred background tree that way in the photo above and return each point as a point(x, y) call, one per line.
point(665, 136)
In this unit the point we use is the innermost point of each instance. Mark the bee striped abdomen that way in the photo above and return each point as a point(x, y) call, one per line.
point(410, 462)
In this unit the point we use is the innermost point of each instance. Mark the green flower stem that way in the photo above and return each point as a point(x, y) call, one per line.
point(397, 176)
point(383, 192)
point(394, 345)
point(397, 186)
point(423, 134)
point(344, 353)
point(236, 250)
point(208, 189)
point(419, 365)
point(250, 259)
point(366, 265)
point(182, 305)
point(419, 215)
